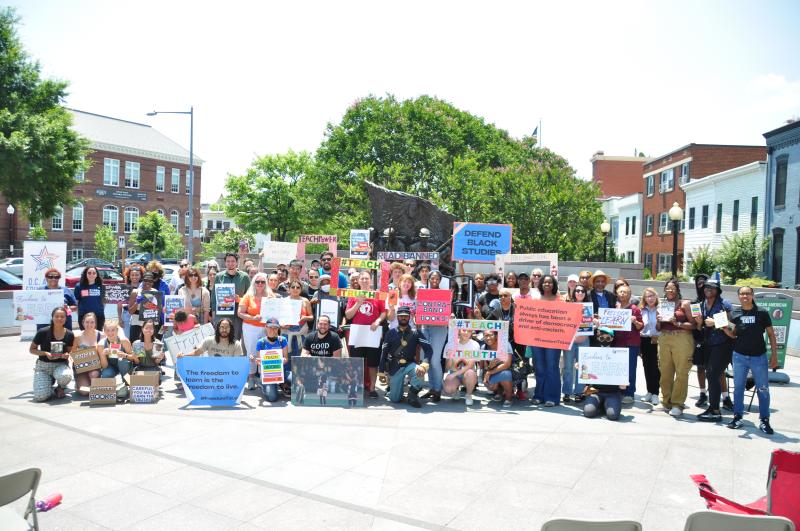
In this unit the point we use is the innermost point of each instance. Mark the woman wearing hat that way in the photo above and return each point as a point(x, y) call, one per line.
point(717, 349)
point(572, 283)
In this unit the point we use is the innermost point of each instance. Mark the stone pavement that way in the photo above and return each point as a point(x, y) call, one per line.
point(262, 466)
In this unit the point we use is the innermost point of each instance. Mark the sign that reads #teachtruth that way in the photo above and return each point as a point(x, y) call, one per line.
point(480, 242)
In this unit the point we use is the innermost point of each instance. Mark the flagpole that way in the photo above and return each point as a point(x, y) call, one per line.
point(540, 133)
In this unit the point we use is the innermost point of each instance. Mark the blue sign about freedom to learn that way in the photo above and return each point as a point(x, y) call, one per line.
point(217, 381)
point(480, 242)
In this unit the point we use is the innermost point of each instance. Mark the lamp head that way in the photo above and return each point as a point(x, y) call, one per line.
point(676, 212)
point(605, 227)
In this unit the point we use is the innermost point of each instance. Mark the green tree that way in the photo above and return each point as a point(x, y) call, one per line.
point(741, 255)
point(226, 242)
point(156, 235)
point(39, 153)
point(701, 261)
point(37, 233)
point(105, 243)
point(272, 197)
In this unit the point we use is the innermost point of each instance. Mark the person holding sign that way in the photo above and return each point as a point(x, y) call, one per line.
point(461, 371)
point(240, 280)
point(675, 349)
point(546, 360)
point(91, 294)
point(249, 311)
point(629, 339)
point(602, 398)
point(750, 355)
point(498, 377)
point(222, 343)
point(295, 333)
point(196, 298)
point(136, 303)
point(52, 345)
point(273, 341)
point(437, 335)
point(148, 350)
point(601, 298)
point(648, 347)
point(368, 314)
point(116, 353)
point(133, 277)
point(399, 354)
point(572, 390)
point(407, 297)
point(52, 276)
point(717, 347)
point(212, 268)
point(88, 338)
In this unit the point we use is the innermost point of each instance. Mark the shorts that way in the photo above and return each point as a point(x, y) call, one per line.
point(372, 355)
point(698, 356)
point(502, 376)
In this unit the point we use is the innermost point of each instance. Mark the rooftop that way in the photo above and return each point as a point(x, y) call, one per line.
point(693, 145)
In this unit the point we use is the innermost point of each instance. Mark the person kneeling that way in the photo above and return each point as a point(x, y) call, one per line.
point(462, 370)
point(600, 398)
point(498, 378)
point(399, 352)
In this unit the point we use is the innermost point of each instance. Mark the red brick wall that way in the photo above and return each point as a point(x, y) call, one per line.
point(617, 177)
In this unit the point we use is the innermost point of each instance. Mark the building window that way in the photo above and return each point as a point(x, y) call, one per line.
point(161, 173)
point(176, 180)
point(684, 173)
point(782, 165)
point(186, 223)
point(691, 218)
point(797, 261)
point(131, 219)
point(777, 255)
point(754, 212)
point(667, 182)
point(629, 257)
point(110, 172)
point(664, 262)
point(633, 225)
point(77, 217)
point(173, 218)
point(111, 217)
point(663, 223)
point(718, 221)
point(132, 174)
point(648, 261)
point(80, 176)
point(188, 181)
point(704, 218)
point(649, 224)
point(75, 254)
point(651, 186)
point(160, 211)
point(735, 220)
point(627, 226)
point(58, 219)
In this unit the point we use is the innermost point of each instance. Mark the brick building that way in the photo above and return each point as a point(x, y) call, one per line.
point(662, 179)
point(618, 176)
point(134, 170)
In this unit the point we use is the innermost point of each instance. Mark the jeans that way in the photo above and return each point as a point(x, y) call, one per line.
point(115, 367)
point(633, 358)
point(398, 379)
point(759, 366)
point(437, 335)
point(611, 402)
point(569, 376)
point(126, 325)
point(548, 379)
point(270, 391)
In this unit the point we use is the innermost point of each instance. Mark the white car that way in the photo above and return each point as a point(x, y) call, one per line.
point(13, 265)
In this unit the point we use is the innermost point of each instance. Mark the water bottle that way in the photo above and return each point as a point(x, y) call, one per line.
point(48, 503)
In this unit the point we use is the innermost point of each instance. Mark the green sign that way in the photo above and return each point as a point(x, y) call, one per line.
point(779, 307)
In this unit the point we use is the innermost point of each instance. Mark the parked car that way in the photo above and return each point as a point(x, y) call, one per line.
point(13, 265)
point(86, 262)
point(145, 258)
point(8, 280)
point(108, 275)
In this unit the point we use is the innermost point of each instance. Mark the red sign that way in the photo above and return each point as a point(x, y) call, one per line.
point(433, 307)
point(547, 324)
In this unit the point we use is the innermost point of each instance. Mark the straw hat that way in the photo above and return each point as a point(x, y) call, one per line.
point(599, 273)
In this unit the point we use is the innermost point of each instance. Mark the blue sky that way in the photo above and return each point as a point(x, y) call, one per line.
point(265, 77)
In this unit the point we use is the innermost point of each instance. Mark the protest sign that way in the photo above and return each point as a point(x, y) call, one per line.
point(665, 310)
point(615, 319)
point(286, 310)
point(380, 267)
point(586, 328)
point(546, 324)
point(720, 320)
point(172, 303)
point(433, 307)
point(696, 311)
point(603, 366)
point(505, 262)
point(279, 252)
point(103, 391)
point(226, 298)
point(38, 257)
point(118, 294)
point(217, 381)
point(331, 241)
point(420, 256)
point(362, 335)
point(779, 307)
point(359, 243)
point(501, 327)
point(150, 305)
point(85, 360)
point(318, 381)
point(480, 242)
point(35, 306)
point(328, 306)
point(144, 387)
point(271, 366)
point(187, 341)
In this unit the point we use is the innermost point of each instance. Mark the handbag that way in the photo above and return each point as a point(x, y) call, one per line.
point(519, 368)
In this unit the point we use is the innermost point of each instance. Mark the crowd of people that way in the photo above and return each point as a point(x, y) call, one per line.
point(668, 347)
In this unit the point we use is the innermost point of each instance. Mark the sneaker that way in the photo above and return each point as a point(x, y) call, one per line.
point(373, 394)
point(709, 416)
point(567, 399)
point(654, 400)
point(507, 403)
point(549, 404)
point(765, 427)
point(736, 423)
point(627, 399)
point(648, 397)
point(497, 398)
point(675, 412)
point(468, 399)
point(521, 395)
point(535, 401)
point(579, 398)
point(702, 401)
point(727, 403)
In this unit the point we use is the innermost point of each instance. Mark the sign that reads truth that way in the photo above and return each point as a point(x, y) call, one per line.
point(480, 242)
point(217, 381)
point(500, 327)
point(433, 307)
point(188, 341)
point(603, 366)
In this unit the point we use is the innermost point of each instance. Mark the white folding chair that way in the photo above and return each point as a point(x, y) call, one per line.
point(574, 524)
point(13, 487)
point(717, 521)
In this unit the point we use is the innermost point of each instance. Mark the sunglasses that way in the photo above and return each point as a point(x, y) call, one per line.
point(536, 275)
point(325, 259)
point(505, 296)
point(53, 277)
point(193, 275)
point(585, 278)
point(580, 291)
point(295, 287)
point(260, 281)
point(184, 265)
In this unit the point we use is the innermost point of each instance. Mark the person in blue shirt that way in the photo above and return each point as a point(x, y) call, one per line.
point(273, 341)
point(326, 259)
point(399, 353)
point(91, 296)
point(717, 348)
point(52, 276)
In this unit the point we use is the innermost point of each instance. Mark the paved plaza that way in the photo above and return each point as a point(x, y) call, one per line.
point(275, 466)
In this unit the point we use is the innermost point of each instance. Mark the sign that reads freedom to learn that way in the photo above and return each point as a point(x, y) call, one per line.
point(480, 242)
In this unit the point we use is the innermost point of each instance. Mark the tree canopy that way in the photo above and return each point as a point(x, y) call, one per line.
point(156, 235)
point(39, 153)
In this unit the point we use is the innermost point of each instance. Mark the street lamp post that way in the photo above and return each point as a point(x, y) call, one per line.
point(10, 211)
point(605, 228)
point(676, 215)
point(190, 112)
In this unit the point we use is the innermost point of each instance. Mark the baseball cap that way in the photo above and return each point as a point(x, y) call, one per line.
point(272, 322)
point(404, 310)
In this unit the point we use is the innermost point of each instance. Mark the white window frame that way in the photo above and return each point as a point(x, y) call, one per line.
point(130, 223)
point(161, 211)
point(113, 223)
point(188, 183)
point(58, 216)
point(81, 175)
point(77, 217)
point(174, 219)
point(663, 223)
point(664, 262)
point(161, 178)
point(133, 174)
point(175, 182)
point(110, 172)
point(75, 254)
point(684, 173)
point(666, 181)
point(186, 223)
point(649, 224)
point(651, 185)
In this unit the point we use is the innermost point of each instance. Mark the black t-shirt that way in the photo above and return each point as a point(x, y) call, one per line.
point(750, 327)
point(322, 346)
point(47, 343)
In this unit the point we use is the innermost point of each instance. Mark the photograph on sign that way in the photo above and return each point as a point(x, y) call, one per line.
point(603, 366)
point(318, 381)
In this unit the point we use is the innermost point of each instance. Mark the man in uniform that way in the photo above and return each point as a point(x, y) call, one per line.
point(399, 354)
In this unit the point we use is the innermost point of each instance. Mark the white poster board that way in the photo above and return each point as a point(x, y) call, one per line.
point(38, 257)
point(364, 336)
point(34, 306)
point(188, 341)
point(617, 319)
point(279, 252)
point(503, 262)
point(603, 366)
point(286, 310)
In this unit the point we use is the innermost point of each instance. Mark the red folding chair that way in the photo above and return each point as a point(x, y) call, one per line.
point(783, 491)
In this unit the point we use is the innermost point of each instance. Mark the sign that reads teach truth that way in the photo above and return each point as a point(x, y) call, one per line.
point(217, 381)
point(433, 307)
point(546, 324)
point(480, 242)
